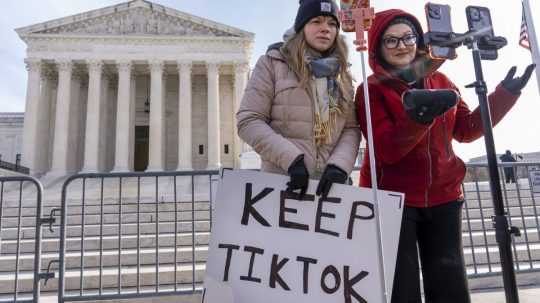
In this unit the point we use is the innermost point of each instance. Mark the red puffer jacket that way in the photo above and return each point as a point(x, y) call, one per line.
point(413, 158)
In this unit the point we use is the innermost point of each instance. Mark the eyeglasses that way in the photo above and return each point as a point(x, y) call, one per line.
point(391, 42)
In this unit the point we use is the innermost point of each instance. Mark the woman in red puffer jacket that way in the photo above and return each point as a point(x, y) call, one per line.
point(416, 157)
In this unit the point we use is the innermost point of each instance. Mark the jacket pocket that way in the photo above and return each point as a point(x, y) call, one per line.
point(283, 85)
point(284, 92)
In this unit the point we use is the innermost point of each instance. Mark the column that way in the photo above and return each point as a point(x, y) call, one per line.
point(61, 125)
point(240, 80)
point(156, 133)
point(76, 114)
point(184, 116)
point(30, 152)
point(44, 120)
point(123, 112)
point(214, 140)
point(93, 117)
point(132, 117)
point(104, 127)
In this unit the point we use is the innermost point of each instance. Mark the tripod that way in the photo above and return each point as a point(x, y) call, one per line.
point(503, 232)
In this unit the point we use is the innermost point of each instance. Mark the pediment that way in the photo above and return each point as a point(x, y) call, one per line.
point(137, 18)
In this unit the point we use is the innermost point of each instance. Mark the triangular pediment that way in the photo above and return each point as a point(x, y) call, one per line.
point(137, 18)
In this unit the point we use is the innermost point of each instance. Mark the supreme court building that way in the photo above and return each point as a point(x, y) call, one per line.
point(132, 87)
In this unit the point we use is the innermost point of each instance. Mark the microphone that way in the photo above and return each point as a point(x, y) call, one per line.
point(424, 105)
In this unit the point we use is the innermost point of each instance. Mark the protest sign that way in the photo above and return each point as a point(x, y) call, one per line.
point(269, 246)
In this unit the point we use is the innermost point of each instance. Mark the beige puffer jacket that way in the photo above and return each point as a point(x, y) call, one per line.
point(276, 118)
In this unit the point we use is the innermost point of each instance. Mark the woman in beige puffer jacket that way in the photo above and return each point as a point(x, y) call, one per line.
point(298, 111)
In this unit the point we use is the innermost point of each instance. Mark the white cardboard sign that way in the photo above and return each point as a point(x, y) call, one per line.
point(267, 246)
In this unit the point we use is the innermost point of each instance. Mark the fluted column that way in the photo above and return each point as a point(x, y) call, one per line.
point(156, 152)
point(30, 152)
point(76, 114)
point(93, 118)
point(62, 118)
point(132, 117)
point(214, 136)
point(123, 112)
point(240, 80)
point(184, 116)
point(44, 134)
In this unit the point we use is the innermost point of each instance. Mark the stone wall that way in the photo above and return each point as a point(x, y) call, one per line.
point(11, 132)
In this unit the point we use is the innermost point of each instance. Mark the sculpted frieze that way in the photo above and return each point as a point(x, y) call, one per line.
point(137, 21)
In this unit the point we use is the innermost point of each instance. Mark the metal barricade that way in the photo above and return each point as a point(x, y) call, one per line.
point(127, 235)
point(20, 239)
point(521, 201)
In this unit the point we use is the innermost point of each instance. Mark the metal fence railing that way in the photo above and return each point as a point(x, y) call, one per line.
point(20, 239)
point(522, 205)
point(127, 235)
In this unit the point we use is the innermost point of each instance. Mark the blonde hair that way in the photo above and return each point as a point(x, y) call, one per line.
point(295, 50)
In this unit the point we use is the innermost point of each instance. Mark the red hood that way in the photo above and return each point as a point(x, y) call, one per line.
point(380, 23)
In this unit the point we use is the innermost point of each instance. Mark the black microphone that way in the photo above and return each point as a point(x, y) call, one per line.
point(424, 105)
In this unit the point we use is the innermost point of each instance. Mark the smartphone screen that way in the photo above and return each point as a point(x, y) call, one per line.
point(479, 20)
point(438, 20)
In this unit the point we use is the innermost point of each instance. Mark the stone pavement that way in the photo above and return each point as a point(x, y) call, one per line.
point(526, 295)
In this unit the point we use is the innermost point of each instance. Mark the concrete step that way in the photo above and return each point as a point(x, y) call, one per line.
point(520, 252)
point(530, 235)
point(109, 229)
point(475, 213)
point(109, 277)
point(486, 223)
point(109, 207)
point(111, 218)
point(166, 295)
point(109, 257)
point(487, 202)
point(109, 242)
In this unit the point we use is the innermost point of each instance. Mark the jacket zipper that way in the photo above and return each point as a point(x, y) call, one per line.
point(430, 173)
point(317, 164)
point(430, 176)
point(446, 137)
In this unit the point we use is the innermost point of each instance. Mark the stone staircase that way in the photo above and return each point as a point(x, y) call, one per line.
point(139, 245)
point(480, 246)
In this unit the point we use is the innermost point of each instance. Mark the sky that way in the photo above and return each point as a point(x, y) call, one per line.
point(268, 19)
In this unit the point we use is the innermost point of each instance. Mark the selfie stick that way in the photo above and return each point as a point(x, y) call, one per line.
point(362, 17)
point(478, 41)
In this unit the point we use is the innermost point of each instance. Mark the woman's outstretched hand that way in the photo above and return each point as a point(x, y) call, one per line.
point(515, 85)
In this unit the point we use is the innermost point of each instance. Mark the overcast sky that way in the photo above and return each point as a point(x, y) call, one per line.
point(268, 19)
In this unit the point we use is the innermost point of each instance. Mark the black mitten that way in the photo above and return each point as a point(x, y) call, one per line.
point(299, 176)
point(332, 174)
point(515, 85)
point(424, 105)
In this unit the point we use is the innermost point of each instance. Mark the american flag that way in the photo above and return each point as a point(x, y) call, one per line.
point(524, 33)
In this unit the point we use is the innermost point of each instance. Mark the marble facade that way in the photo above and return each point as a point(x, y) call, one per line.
point(131, 87)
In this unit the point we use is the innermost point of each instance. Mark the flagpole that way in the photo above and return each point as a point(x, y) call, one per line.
point(533, 42)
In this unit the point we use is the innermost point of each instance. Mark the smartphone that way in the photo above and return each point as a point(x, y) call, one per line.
point(438, 20)
point(479, 20)
point(347, 21)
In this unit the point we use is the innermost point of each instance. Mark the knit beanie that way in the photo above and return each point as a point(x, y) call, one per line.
point(313, 8)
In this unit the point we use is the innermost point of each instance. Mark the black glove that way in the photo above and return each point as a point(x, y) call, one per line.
point(424, 105)
point(299, 176)
point(515, 85)
point(332, 174)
